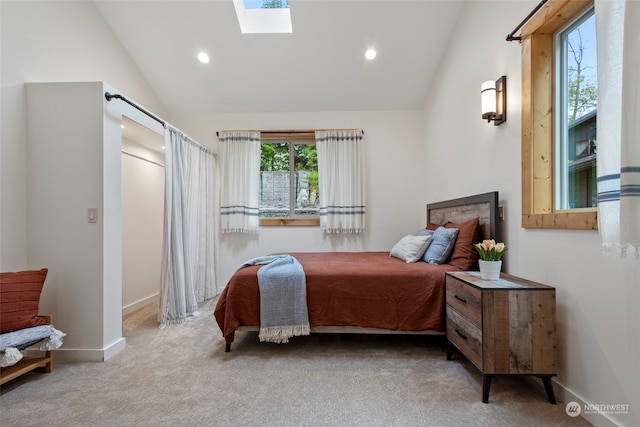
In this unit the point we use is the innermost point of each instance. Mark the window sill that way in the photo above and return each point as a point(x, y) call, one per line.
point(309, 222)
point(578, 219)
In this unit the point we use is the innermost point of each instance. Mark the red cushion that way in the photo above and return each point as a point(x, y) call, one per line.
point(464, 255)
point(20, 299)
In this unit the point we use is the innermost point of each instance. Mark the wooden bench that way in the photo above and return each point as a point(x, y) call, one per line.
point(28, 364)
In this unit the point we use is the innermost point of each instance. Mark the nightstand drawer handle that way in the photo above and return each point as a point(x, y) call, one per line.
point(460, 299)
point(460, 333)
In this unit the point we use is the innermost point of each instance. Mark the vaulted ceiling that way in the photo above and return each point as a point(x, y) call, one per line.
point(319, 67)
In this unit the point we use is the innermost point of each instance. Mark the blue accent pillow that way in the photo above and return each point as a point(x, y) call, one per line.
point(424, 232)
point(442, 243)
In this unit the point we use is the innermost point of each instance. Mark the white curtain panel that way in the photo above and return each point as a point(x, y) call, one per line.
point(240, 181)
point(341, 181)
point(618, 131)
point(189, 258)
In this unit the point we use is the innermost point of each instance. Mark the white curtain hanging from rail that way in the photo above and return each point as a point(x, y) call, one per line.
point(189, 256)
point(341, 181)
point(618, 131)
point(240, 181)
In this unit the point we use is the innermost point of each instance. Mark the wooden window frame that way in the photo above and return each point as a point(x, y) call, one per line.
point(538, 106)
point(289, 136)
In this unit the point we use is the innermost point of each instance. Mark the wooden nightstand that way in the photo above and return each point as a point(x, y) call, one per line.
point(504, 327)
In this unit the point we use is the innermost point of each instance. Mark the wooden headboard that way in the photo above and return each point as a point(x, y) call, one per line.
point(483, 206)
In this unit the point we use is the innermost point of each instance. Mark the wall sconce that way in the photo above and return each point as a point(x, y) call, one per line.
point(494, 100)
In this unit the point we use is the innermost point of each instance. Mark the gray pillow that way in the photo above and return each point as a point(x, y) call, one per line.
point(410, 248)
point(442, 244)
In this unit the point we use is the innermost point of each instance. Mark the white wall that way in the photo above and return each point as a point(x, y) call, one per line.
point(64, 179)
point(47, 41)
point(597, 317)
point(142, 224)
point(74, 164)
point(395, 197)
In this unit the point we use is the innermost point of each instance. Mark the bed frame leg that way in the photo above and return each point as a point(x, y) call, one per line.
point(227, 347)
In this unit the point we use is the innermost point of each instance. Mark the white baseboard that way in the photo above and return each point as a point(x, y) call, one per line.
point(66, 354)
point(114, 349)
point(89, 355)
point(130, 308)
point(565, 396)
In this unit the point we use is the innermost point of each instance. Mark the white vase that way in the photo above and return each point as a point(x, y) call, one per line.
point(490, 270)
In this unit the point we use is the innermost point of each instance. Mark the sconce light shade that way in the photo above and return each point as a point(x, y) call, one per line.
point(494, 100)
point(488, 98)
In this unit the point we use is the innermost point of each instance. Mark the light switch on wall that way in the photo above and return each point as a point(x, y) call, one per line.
point(92, 215)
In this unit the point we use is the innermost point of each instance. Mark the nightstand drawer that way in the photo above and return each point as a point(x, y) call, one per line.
point(465, 299)
point(465, 335)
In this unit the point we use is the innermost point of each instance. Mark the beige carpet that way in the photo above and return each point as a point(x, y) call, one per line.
point(182, 376)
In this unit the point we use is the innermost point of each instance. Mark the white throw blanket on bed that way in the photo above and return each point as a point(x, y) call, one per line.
point(283, 298)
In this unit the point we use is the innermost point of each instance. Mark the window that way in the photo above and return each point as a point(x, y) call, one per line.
point(557, 172)
point(577, 101)
point(289, 193)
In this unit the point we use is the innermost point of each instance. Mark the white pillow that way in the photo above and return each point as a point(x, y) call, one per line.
point(411, 248)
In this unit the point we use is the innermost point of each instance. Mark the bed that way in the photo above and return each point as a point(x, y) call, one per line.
point(371, 292)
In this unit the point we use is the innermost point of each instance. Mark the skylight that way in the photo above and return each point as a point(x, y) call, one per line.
point(263, 16)
point(266, 4)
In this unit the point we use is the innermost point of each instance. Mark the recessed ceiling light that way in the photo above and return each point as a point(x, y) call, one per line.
point(203, 57)
point(370, 54)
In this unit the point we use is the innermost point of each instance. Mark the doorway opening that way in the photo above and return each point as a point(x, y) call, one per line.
point(142, 215)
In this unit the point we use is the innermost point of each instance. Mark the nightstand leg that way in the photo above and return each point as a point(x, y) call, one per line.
point(450, 354)
point(548, 386)
point(486, 386)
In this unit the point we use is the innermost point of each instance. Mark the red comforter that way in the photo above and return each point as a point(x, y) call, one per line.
point(361, 289)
